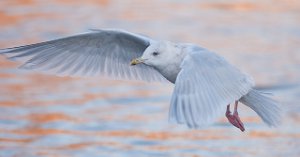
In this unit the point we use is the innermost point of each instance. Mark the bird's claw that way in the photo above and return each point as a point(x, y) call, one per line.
point(234, 119)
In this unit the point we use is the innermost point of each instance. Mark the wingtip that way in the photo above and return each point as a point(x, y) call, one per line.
point(10, 49)
point(5, 50)
point(108, 29)
point(95, 30)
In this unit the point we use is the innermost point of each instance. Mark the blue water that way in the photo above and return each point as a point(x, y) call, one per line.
point(43, 115)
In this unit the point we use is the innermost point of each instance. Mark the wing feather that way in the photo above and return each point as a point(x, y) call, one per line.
point(100, 52)
point(205, 85)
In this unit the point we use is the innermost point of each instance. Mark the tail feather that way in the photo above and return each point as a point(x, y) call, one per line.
point(268, 109)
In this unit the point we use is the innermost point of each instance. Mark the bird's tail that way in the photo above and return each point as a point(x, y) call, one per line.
point(268, 109)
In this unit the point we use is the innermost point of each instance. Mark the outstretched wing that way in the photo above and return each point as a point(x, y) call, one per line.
point(205, 85)
point(101, 52)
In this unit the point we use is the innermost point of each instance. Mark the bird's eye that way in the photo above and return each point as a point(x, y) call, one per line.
point(155, 53)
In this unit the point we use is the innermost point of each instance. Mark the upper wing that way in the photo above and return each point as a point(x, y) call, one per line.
point(101, 52)
point(205, 84)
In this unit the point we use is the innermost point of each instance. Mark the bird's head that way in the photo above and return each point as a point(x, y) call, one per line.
point(158, 54)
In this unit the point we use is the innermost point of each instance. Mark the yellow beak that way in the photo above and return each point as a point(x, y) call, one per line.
point(136, 61)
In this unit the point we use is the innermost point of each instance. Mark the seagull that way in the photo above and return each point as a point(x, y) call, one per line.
point(204, 82)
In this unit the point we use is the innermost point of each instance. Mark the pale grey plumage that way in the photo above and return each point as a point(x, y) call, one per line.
point(209, 80)
point(204, 82)
point(100, 52)
point(268, 109)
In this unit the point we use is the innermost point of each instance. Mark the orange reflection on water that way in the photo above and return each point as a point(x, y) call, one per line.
point(43, 132)
point(15, 140)
point(237, 6)
point(46, 115)
point(49, 117)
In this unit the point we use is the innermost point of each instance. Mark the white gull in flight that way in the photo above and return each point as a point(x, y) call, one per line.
point(204, 81)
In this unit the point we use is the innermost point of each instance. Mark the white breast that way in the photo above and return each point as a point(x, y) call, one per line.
point(170, 72)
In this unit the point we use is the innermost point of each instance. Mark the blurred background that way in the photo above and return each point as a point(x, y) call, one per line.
point(43, 115)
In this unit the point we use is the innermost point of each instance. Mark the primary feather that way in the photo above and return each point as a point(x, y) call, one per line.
point(101, 52)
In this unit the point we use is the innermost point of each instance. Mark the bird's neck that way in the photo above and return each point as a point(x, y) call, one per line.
point(171, 67)
point(169, 72)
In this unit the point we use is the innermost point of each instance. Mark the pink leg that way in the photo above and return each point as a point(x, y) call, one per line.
point(234, 118)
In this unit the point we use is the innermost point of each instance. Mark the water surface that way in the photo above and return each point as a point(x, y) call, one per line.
point(43, 115)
